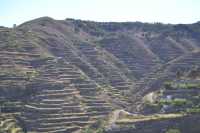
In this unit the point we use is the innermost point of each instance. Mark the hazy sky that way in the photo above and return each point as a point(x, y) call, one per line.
point(166, 11)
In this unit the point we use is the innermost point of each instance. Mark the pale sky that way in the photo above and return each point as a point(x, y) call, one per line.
point(165, 11)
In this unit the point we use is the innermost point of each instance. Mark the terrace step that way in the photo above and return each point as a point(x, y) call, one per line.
point(57, 95)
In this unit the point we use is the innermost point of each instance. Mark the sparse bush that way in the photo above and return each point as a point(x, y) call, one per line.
point(193, 110)
point(179, 102)
point(171, 85)
point(175, 102)
point(97, 127)
point(168, 85)
point(88, 130)
point(32, 74)
point(173, 131)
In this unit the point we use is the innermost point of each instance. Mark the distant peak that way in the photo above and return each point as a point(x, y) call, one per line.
point(43, 19)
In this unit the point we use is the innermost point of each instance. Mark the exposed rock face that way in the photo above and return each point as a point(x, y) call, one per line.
point(64, 75)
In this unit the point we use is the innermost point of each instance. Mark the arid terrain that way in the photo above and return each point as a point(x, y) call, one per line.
point(74, 76)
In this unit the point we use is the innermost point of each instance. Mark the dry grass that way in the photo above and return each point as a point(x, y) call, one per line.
point(140, 118)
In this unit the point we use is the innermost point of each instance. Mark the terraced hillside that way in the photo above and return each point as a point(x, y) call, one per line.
point(127, 53)
point(46, 93)
point(60, 76)
point(172, 108)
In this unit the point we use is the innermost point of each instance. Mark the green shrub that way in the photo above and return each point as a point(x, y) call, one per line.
point(88, 130)
point(92, 130)
point(32, 74)
point(179, 102)
point(193, 110)
point(97, 127)
point(168, 85)
point(100, 130)
point(175, 102)
point(173, 131)
point(174, 85)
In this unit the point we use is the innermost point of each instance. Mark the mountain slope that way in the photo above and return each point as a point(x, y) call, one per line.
point(70, 73)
